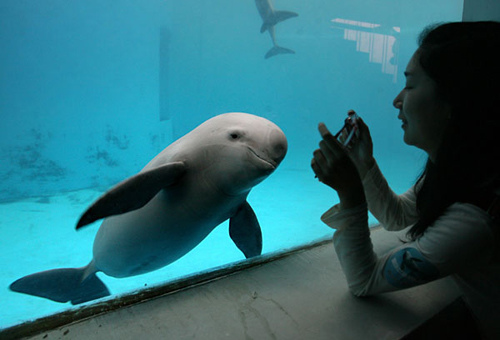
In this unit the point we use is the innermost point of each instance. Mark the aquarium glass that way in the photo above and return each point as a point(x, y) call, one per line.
point(92, 90)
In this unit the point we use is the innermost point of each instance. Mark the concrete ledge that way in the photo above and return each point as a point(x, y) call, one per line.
point(300, 294)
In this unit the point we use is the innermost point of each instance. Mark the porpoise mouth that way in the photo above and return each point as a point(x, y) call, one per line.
point(269, 162)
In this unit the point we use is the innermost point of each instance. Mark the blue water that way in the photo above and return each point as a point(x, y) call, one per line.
point(91, 90)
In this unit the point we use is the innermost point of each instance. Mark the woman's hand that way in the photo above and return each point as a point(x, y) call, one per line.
point(361, 149)
point(333, 166)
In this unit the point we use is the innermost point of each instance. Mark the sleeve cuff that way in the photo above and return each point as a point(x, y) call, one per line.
point(339, 219)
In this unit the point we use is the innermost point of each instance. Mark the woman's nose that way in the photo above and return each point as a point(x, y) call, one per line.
point(398, 101)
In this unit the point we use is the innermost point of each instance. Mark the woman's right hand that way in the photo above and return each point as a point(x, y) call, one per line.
point(361, 149)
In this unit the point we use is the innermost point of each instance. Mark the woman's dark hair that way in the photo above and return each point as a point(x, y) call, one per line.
point(463, 59)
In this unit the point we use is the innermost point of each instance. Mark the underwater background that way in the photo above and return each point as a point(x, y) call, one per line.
point(91, 90)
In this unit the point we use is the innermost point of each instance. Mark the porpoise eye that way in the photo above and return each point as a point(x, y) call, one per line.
point(234, 136)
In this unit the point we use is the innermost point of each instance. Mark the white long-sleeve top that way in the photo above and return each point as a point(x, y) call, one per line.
point(461, 243)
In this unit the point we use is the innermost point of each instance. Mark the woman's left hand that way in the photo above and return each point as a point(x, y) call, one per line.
point(333, 166)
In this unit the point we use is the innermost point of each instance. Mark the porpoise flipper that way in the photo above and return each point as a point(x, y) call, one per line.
point(280, 16)
point(244, 230)
point(133, 193)
point(277, 17)
point(62, 285)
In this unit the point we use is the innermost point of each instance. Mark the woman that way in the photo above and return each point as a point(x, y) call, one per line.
point(450, 108)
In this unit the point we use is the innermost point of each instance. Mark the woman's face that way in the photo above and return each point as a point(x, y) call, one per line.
point(424, 115)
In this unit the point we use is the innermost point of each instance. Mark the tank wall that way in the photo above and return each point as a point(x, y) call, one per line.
point(80, 85)
point(476, 10)
point(91, 90)
point(79, 93)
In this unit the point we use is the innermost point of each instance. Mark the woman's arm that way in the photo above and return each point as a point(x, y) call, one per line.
point(394, 212)
point(460, 240)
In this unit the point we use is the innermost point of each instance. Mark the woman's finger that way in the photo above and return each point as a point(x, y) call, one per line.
point(319, 164)
point(324, 132)
point(364, 132)
point(327, 152)
point(330, 140)
point(316, 168)
point(320, 161)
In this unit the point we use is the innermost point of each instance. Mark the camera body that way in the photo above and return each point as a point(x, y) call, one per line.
point(349, 130)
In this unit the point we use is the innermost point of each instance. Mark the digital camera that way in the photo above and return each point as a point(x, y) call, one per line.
point(349, 130)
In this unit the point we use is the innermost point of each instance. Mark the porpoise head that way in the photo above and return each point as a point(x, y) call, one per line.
point(242, 150)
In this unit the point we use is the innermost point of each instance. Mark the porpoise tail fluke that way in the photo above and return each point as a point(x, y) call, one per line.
point(62, 285)
point(275, 18)
point(278, 50)
point(270, 18)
